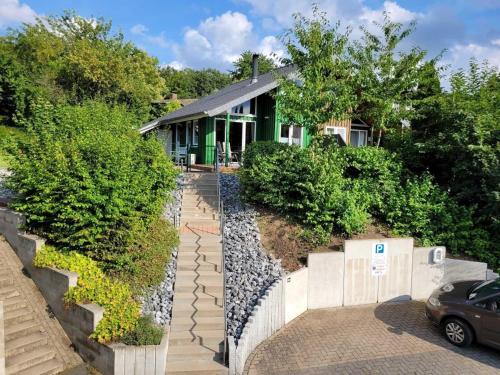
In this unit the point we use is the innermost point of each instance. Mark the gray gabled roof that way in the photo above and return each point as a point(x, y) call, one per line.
point(224, 99)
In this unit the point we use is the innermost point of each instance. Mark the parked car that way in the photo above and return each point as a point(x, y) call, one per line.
point(467, 311)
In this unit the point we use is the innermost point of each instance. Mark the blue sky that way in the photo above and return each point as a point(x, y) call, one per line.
point(213, 33)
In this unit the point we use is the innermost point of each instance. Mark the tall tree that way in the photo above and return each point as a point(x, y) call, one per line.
point(190, 83)
point(72, 59)
point(323, 87)
point(387, 76)
point(243, 66)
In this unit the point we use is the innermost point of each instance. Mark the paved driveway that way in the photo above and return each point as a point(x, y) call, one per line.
point(392, 338)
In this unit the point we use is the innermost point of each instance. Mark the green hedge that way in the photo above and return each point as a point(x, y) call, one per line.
point(338, 189)
point(88, 181)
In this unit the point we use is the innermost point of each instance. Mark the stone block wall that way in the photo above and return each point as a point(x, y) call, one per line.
point(80, 320)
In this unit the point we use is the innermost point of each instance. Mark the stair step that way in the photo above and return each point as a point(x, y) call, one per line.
point(199, 295)
point(196, 273)
point(203, 266)
point(13, 303)
point(189, 367)
point(200, 282)
point(50, 367)
point(201, 338)
point(175, 326)
point(25, 343)
point(6, 280)
point(14, 331)
point(195, 348)
point(185, 312)
point(17, 315)
point(28, 359)
point(188, 288)
point(8, 292)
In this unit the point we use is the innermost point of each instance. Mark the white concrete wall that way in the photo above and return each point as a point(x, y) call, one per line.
point(267, 317)
point(296, 294)
point(426, 275)
point(395, 285)
point(360, 287)
point(326, 280)
point(458, 270)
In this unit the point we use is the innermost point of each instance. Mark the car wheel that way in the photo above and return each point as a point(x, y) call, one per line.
point(458, 332)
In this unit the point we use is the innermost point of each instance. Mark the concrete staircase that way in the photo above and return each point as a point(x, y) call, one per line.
point(197, 327)
point(35, 344)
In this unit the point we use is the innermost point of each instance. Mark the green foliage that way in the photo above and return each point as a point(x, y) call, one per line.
point(255, 149)
point(243, 66)
point(121, 312)
point(387, 76)
point(145, 333)
point(9, 137)
point(339, 188)
point(88, 181)
point(72, 59)
point(190, 83)
point(326, 88)
point(144, 263)
point(455, 139)
point(159, 110)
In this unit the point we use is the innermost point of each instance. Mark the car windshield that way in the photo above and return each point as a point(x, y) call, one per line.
point(485, 289)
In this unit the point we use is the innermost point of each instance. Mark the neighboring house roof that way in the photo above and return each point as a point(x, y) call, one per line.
point(182, 102)
point(224, 99)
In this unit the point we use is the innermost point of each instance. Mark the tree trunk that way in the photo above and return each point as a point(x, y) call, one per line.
point(379, 137)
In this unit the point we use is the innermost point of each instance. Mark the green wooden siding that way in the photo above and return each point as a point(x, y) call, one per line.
point(266, 119)
point(207, 140)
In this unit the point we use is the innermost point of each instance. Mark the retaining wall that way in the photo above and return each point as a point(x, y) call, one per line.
point(456, 270)
point(296, 296)
point(267, 317)
point(80, 320)
point(325, 286)
point(426, 275)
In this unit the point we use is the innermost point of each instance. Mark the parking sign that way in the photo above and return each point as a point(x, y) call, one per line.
point(379, 259)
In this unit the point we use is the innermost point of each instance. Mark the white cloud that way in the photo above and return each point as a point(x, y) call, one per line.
point(156, 40)
point(219, 41)
point(460, 55)
point(12, 12)
point(139, 29)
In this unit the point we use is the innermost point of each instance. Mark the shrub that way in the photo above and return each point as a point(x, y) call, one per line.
point(256, 149)
point(88, 181)
point(146, 332)
point(146, 260)
point(121, 312)
point(339, 188)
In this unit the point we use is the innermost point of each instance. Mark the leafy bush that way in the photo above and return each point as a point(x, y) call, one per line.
point(88, 181)
point(146, 332)
point(144, 263)
point(255, 149)
point(121, 312)
point(340, 188)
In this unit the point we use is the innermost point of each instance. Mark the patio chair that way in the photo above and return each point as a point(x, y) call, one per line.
point(233, 156)
point(180, 155)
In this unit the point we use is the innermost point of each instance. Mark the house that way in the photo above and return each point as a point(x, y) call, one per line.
point(240, 113)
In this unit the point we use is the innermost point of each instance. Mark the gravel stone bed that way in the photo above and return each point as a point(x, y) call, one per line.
point(249, 270)
point(159, 299)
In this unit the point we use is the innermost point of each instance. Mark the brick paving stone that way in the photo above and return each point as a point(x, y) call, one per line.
point(389, 338)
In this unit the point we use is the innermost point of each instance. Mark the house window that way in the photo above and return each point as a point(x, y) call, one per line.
point(358, 137)
point(245, 108)
point(196, 133)
point(291, 135)
point(332, 130)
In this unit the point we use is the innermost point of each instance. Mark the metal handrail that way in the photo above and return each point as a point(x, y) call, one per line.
point(223, 262)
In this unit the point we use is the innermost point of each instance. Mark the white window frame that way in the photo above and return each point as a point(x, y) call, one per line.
point(289, 140)
point(340, 130)
point(359, 131)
